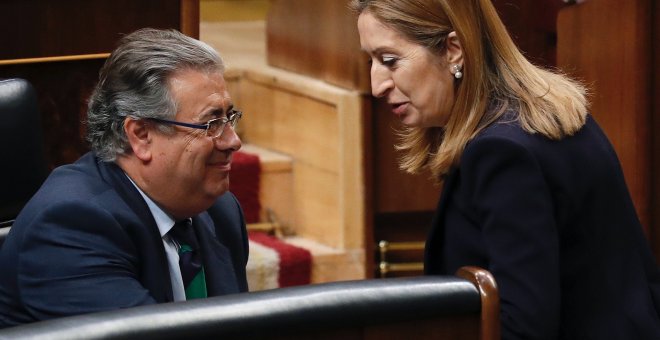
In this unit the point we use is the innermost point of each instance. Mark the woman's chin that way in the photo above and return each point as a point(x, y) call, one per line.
point(411, 121)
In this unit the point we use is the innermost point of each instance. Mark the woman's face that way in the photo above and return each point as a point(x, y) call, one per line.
point(416, 82)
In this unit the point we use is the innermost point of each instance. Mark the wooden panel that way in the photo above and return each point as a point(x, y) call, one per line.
point(315, 127)
point(368, 130)
point(292, 124)
point(69, 29)
point(308, 131)
point(317, 38)
point(655, 149)
point(295, 27)
point(316, 201)
point(532, 25)
point(353, 186)
point(327, 198)
point(275, 186)
point(37, 28)
point(395, 190)
point(607, 44)
point(188, 18)
point(232, 10)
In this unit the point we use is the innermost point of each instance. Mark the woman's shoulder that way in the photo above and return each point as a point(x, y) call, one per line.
point(503, 138)
point(507, 127)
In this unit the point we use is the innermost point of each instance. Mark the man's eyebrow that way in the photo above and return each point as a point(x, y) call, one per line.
point(210, 114)
point(217, 112)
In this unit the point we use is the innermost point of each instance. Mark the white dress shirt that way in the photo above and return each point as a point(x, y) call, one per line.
point(165, 222)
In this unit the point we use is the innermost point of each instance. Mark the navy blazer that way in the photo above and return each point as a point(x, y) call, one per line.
point(87, 242)
point(554, 223)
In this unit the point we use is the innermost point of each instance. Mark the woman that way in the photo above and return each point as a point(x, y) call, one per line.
point(533, 190)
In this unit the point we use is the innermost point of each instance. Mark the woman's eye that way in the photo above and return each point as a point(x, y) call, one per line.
point(388, 60)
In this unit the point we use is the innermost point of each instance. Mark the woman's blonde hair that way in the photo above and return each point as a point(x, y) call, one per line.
point(496, 78)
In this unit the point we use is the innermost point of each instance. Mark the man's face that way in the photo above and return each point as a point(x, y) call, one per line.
point(190, 170)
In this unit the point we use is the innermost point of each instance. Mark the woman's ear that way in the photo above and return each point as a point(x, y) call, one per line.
point(454, 51)
point(139, 137)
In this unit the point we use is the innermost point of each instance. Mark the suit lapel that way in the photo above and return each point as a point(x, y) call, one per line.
point(433, 261)
point(219, 270)
point(154, 274)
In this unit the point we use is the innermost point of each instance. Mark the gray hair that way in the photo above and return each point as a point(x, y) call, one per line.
point(133, 83)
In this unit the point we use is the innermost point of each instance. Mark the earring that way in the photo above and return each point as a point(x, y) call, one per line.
point(456, 70)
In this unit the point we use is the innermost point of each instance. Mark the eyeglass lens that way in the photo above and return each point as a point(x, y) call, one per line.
point(217, 126)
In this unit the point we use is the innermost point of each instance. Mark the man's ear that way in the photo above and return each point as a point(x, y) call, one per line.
point(139, 137)
point(454, 50)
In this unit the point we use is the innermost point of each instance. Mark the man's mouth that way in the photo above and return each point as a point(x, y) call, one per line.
point(221, 165)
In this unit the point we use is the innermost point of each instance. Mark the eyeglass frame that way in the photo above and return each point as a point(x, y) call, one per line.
point(234, 117)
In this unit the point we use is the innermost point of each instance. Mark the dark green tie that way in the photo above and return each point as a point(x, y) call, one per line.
point(190, 260)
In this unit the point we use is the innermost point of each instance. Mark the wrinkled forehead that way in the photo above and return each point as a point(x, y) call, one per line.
point(375, 34)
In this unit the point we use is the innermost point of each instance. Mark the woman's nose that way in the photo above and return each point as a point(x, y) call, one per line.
point(381, 82)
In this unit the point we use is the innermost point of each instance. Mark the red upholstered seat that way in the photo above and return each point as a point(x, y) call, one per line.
point(244, 180)
point(287, 265)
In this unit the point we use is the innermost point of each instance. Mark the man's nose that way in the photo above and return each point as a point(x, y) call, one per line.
point(229, 139)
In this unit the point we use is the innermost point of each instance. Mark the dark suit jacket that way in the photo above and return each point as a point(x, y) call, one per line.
point(87, 242)
point(554, 223)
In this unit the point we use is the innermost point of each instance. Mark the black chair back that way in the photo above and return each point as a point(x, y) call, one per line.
point(429, 307)
point(24, 166)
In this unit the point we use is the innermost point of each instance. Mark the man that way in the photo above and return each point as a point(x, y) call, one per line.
point(100, 234)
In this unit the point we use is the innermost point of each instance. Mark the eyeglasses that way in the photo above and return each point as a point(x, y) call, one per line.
point(214, 127)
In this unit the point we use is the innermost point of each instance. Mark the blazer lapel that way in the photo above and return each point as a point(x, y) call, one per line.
point(433, 261)
point(218, 268)
point(155, 273)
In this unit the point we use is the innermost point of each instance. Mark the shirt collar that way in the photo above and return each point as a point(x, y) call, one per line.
point(163, 220)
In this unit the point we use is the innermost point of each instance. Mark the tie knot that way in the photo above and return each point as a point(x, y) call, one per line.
point(184, 234)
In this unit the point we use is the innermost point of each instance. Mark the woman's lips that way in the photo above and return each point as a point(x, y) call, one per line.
point(399, 109)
